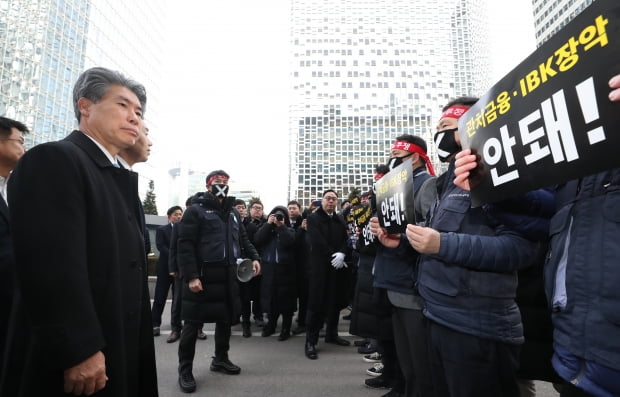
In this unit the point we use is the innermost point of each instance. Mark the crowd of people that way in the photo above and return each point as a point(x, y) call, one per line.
point(465, 302)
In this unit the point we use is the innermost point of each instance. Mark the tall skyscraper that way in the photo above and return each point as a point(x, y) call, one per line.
point(551, 15)
point(365, 72)
point(46, 44)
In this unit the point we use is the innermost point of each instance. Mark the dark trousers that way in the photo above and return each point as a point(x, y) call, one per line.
point(314, 323)
point(463, 365)
point(250, 298)
point(287, 320)
point(569, 390)
point(187, 344)
point(302, 295)
point(162, 286)
point(410, 338)
point(175, 316)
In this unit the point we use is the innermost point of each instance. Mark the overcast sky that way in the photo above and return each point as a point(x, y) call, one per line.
point(226, 89)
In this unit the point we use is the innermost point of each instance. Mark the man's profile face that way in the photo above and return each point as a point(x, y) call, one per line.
point(143, 144)
point(12, 147)
point(329, 202)
point(293, 211)
point(116, 120)
point(256, 211)
point(175, 216)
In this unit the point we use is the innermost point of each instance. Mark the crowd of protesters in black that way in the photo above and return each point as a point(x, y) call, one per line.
point(453, 306)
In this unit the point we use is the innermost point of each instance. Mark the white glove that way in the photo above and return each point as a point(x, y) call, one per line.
point(338, 260)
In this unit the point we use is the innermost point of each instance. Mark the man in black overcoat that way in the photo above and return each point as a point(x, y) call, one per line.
point(329, 276)
point(81, 322)
point(11, 150)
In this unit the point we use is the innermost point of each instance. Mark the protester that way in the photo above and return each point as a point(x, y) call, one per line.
point(211, 238)
point(475, 329)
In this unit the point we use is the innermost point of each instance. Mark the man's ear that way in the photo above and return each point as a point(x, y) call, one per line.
point(84, 105)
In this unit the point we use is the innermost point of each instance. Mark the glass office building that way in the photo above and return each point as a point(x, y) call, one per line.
point(365, 72)
point(46, 44)
point(551, 15)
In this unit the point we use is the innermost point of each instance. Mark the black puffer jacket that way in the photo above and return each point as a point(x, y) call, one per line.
point(210, 239)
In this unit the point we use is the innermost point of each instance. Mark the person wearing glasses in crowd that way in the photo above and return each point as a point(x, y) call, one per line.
point(328, 274)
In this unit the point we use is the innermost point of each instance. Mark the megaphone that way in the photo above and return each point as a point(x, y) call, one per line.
point(245, 270)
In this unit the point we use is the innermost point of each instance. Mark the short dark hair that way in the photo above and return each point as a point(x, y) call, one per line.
point(256, 201)
point(294, 202)
point(95, 82)
point(174, 208)
point(416, 140)
point(6, 125)
point(463, 101)
point(239, 202)
point(214, 173)
point(330, 190)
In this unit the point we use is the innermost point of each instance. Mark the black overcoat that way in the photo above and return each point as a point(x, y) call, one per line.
point(81, 272)
point(278, 285)
point(328, 287)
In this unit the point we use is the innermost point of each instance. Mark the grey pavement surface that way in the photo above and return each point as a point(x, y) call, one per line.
point(272, 368)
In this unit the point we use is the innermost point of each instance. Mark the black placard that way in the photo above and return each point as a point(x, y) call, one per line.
point(550, 120)
point(395, 198)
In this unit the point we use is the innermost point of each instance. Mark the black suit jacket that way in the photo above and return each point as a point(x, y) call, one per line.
point(6, 273)
point(162, 240)
point(81, 273)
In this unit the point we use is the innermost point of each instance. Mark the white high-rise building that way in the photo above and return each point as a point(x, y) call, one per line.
point(551, 15)
point(365, 72)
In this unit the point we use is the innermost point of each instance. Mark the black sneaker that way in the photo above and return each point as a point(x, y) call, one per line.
point(224, 365)
point(187, 382)
point(368, 349)
point(378, 383)
point(360, 342)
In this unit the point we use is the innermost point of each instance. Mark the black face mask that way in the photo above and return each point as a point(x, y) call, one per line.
point(446, 144)
point(396, 161)
point(219, 190)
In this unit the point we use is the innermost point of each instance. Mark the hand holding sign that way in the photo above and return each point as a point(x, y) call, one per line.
point(465, 163)
point(425, 240)
point(386, 239)
point(614, 95)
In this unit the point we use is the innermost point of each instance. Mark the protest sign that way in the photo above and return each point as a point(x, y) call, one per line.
point(395, 198)
point(550, 120)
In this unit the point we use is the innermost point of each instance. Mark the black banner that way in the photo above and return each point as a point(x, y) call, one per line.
point(550, 120)
point(395, 198)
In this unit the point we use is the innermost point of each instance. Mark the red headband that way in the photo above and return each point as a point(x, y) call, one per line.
point(455, 111)
point(216, 176)
point(413, 148)
point(378, 176)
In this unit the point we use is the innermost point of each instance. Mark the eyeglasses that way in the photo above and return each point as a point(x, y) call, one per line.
point(20, 140)
point(257, 208)
point(330, 198)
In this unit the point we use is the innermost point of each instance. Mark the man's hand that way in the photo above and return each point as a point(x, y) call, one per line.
point(465, 163)
point(256, 267)
point(87, 377)
point(173, 274)
point(338, 260)
point(304, 224)
point(423, 239)
point(195, 285)
point(386, 239)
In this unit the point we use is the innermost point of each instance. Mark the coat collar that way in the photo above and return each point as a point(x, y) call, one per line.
point(86, 144)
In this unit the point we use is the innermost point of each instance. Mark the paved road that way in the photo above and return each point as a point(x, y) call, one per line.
point(270, 368)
